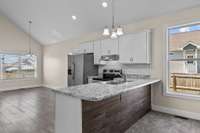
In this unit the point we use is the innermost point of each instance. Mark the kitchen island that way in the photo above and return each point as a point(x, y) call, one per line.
point(102, 107)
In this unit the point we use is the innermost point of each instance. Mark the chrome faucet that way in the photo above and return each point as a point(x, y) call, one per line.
point(123, 75)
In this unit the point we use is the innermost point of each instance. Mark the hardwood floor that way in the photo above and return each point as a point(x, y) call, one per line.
point(27, 111)
point(32, 111)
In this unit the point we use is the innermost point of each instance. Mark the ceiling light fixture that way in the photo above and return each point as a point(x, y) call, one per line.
point(74, 17)
point(120, 31)
point(104, 4)
point(106, 31)
point(116, 31)
point(113, 35)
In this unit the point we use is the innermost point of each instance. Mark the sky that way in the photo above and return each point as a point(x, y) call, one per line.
point(185, 29)
point(13, 59)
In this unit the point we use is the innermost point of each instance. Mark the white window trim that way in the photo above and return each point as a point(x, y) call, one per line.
point(1, 66)
point(166, 67)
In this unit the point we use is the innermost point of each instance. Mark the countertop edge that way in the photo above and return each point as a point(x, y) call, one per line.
point(95, 99)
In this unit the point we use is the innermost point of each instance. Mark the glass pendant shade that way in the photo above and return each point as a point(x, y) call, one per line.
point(113, 35)
point(120, 31)
point(106, 31)
point(115, 30)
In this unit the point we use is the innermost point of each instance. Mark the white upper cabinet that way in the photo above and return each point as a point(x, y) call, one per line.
point(135, 48)
point(75, 51)
point(132, 48)
point(86, 47)
point(97, 52)
point(110, 46)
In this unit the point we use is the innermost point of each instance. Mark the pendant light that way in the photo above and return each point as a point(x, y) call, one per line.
point(116, 31)
point(106, 31)
point(29, 47)
point(113, 35)
point(120, 31)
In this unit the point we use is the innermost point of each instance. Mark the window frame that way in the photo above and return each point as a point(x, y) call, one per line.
point(23, 78)
point(166, 68)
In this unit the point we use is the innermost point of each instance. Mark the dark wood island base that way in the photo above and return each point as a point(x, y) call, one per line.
point(116, 114)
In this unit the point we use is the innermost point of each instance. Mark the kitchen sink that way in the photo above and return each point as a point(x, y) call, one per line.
point(115, 82)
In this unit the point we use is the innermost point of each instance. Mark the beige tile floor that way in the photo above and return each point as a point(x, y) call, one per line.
point(32, 111)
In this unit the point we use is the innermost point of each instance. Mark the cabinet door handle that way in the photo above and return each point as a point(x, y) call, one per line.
point(74, 69)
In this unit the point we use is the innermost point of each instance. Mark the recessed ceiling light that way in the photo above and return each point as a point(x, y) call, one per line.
point(104, 4)
point(74, 17)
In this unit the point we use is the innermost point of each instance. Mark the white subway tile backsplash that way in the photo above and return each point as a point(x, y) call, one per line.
point(137, 69)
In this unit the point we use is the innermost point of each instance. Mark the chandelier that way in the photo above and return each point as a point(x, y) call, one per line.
point(116, 30)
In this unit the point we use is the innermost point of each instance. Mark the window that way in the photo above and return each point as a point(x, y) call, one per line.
point(183, 71)
point(16, 66)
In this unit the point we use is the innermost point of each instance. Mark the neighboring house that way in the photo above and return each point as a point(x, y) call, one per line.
point(185, 46)
point(179, 40)
point(190, 51)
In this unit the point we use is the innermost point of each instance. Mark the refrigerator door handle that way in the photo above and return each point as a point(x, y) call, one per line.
point(73, 71)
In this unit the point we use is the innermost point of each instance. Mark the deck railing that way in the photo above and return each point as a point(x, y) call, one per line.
point(185, 81)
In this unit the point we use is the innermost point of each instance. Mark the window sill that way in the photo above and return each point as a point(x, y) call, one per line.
point(20, 79)
point(182, 96)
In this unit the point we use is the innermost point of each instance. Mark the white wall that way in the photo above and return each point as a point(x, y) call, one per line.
point(13, 40)
point(55, 64)
point(55, 61)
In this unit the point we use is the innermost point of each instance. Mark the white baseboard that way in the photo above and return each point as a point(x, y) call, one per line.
point(27, 87)
point(177, 112)
point(52, 87)
point(18, 88)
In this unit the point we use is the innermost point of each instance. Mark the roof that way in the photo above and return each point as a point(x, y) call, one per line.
point(191, 45)
point(180, 40)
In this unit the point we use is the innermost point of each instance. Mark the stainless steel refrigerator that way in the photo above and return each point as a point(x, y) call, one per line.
point(80, 67)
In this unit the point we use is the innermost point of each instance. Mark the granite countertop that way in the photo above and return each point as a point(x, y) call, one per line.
point(100, 91)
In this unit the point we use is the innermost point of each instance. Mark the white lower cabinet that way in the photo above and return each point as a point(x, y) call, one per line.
point(134, 48)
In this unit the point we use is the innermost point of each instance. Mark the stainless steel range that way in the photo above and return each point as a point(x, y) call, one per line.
point(109, 74)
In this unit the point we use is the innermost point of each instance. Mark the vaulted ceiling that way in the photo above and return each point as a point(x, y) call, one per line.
point(52, 19)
